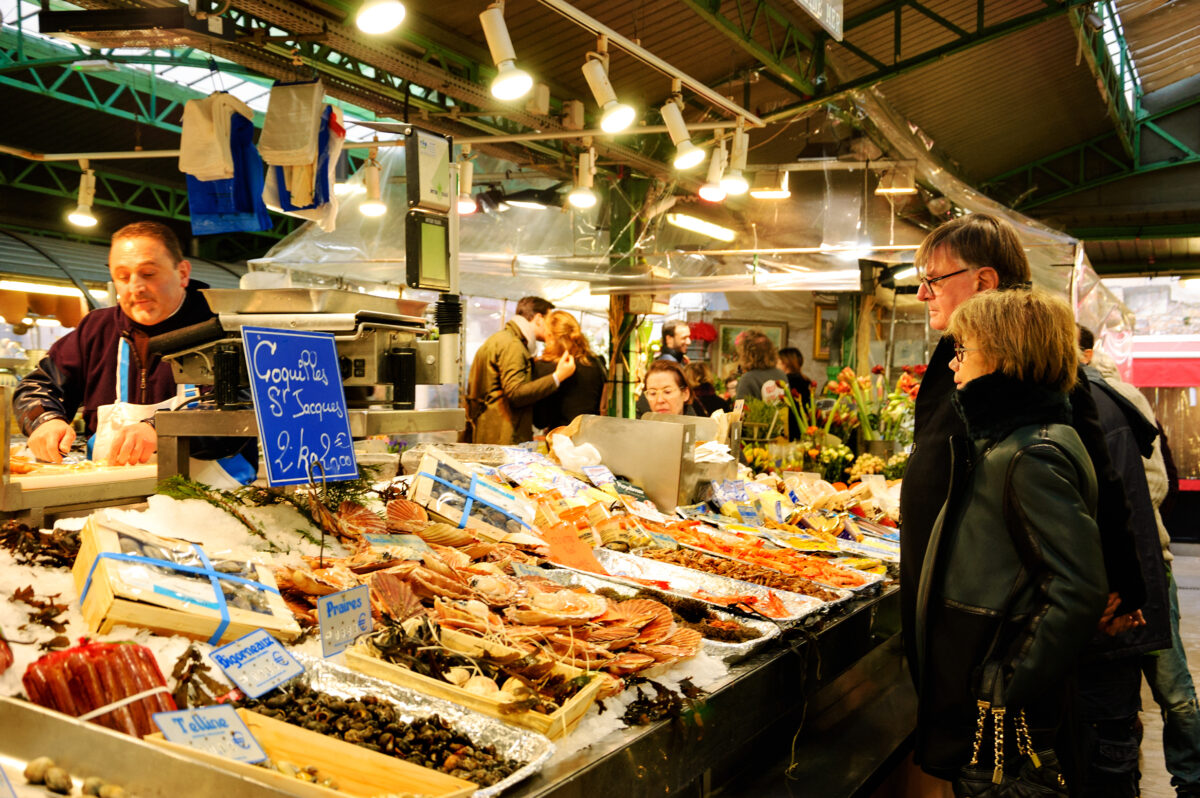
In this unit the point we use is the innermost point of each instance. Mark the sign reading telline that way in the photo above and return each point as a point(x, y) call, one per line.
point(299, 405)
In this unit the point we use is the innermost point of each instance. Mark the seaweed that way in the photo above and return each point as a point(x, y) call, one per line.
point(29, 546)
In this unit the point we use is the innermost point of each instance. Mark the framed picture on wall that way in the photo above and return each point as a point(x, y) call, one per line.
point(824, 319)
point(725, 359)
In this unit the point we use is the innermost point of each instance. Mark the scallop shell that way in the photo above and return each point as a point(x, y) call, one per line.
point(687, 639)
point(660, 627)
point(628, 662)
point(445, 535)
point(356, 521)
point(634, 612)
point(402, 513)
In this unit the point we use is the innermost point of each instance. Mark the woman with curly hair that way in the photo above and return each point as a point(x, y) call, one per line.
point(758, 359)
point(579, 394)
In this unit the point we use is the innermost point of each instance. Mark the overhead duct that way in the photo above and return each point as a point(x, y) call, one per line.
point(134, 27)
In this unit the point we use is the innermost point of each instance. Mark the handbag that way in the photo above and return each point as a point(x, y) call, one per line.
point(1035, 774)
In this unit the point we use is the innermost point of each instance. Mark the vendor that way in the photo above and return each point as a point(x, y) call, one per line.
point(155, 295)
point(666, 389)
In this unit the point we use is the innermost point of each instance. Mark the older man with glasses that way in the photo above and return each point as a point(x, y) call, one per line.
point(963, 257)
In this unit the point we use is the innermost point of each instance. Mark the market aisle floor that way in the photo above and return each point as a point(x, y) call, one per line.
point(1156, 782)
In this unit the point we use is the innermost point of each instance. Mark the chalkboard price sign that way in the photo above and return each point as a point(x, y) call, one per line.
point(299, 404)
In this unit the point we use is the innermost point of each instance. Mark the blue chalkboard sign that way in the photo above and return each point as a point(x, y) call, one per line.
point(299, 404)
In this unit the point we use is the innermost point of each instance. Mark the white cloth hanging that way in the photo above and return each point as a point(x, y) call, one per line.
point(307, 189)
point(293, 124)
point(204, 150)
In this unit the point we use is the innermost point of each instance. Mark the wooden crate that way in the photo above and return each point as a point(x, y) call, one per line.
point(112, 600)
point(560, 724)
point(356, 770)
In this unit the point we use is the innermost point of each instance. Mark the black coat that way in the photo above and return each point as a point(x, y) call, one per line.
point(1130, 437)
point(928, 475)
point(799, 385)
point(578, 394)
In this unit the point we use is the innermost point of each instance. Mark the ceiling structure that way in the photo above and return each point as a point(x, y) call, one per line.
point(1083, 115)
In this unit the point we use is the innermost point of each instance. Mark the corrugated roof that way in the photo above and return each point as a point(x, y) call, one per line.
point(1163, 38)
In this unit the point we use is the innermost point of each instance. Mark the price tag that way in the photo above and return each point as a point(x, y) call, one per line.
point(407, 541)
point(647, 511)
point(343, 617)
point(6, 788)
point(299, 404)
point(568, 550)
point(662, 541)
point(629, 489)
point(521, 569)
point(257, 663)
point(216, 729)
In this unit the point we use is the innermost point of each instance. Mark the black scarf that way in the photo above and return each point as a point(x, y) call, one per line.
point(995, 404)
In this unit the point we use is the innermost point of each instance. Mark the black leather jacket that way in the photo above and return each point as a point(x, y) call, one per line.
point(1014, 570)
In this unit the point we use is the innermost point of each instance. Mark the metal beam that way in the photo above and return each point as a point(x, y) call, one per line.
point(1135, 232)
point(1099, 161)
point(884, 68)
point(1111, 78)
point(1157, 268)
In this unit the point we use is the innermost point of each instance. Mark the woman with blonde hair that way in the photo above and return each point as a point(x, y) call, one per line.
point(1013, 583)
point(579, 394)
point(704, 392)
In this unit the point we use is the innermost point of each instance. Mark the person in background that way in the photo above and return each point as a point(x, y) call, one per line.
point(677, 337)
point(501, 389)
point(704, 393)
point(792, 363)
point(1166, 671)
point(578, 394)
point(1013, 584)
point(759, 363)
point(666, 389)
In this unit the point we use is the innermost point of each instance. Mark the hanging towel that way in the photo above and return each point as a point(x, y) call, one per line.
point(233, 205)
point(307, 190)
point(204, 149)
point(292, 126)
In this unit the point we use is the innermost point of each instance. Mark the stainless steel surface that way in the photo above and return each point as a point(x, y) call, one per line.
point(512, 742)
point(730, 652)
point(240, 423)
point(648, 453)
point(306, 300)
point(85, 749)
point(319, 322)
point(685, 582)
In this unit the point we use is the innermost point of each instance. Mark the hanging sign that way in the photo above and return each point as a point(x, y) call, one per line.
point(216, 730)
point(299, 405)
point(826, 12)
point(343, 617)
point(257, 663)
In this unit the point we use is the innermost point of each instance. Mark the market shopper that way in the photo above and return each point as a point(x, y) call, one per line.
point(579, 394)
point(759, 361)
point(791, 360)
point(704, 393)
point(676, 338)
point(501, 389)
point(666, 389)
point(106, 357)
point(1013, 583)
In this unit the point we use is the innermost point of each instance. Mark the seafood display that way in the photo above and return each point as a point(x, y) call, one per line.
point(745, 572)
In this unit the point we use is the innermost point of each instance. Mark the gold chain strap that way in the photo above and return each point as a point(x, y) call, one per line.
point(998, 737)
point(980, 723)
point(1024, 741)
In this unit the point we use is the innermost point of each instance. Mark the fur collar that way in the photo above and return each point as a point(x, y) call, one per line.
point(994, 405)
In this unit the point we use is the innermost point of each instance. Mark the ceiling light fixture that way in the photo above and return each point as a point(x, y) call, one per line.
point(466, 171)
point(373, 205)
point(582, 196)
point(379, 16)
point(687, 154)
point(712, 191)
point(771, 184)
point(510, 83)
point(82, 215)
point(898, 179)
point(734, 182)
point(615, 116)
point(700, 226)
point(535, 198)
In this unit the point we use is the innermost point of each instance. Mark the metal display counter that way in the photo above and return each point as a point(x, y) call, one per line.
point(842, 681)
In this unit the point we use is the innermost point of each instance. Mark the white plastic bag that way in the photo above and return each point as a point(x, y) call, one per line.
point(572, 457)
point(292, 125)
point(109, 421)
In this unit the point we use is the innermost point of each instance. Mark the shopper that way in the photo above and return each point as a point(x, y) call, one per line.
point(759, 361)
point(1014, 582)
point(666, 389)
point(705, 398)
point(155, 295)
point(580, 393)
point(791, 360)
point(676, 338)
point(501, 389)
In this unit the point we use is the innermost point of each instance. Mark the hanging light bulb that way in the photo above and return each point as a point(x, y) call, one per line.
point(82, 215)
point(712, 190)
point(734, 182)
point(466, 172)
point(687, 154)
point(379, 16)
point(510, 83)
point(373, 205)
point(583, 196)
point(615, 116)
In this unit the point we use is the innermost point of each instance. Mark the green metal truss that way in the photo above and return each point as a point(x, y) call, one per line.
point(1114, 79)
point(1098, 161)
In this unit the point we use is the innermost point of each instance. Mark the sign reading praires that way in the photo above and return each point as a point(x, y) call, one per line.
point(299, 405)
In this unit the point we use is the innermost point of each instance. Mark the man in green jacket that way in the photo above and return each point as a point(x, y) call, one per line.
point(500, 390)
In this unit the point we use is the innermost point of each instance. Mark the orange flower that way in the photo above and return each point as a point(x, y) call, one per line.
point(813, 453)
point(812, 430)
point(846, 374)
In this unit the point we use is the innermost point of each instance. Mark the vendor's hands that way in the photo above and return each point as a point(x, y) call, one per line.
point(565, 367)
point(51, 440)
point(134, 443)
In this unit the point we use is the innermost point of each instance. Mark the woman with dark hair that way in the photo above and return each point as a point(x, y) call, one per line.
point(578, 394)
point(792, 361)
point(666, 389)
point(704, 393)
point(759, 361)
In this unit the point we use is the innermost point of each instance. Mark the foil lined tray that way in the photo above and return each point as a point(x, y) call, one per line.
point(870, 583)
point(510, 741)
point(729, 652)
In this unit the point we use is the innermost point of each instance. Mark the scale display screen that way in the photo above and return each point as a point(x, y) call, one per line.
point(427, 251)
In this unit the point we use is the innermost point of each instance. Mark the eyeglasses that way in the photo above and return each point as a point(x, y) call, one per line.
point(959, 351)
point(665, 393)
point(929, 281)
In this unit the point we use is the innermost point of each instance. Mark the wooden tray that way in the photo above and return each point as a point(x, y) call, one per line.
point(356, 770)
point(560, 724)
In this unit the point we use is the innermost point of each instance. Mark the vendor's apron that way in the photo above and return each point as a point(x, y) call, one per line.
point(228, 472)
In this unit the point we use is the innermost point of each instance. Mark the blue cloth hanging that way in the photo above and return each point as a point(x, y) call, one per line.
point(322, 190)
point(234, 205)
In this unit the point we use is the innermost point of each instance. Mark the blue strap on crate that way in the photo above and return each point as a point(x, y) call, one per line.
point(472, 499)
